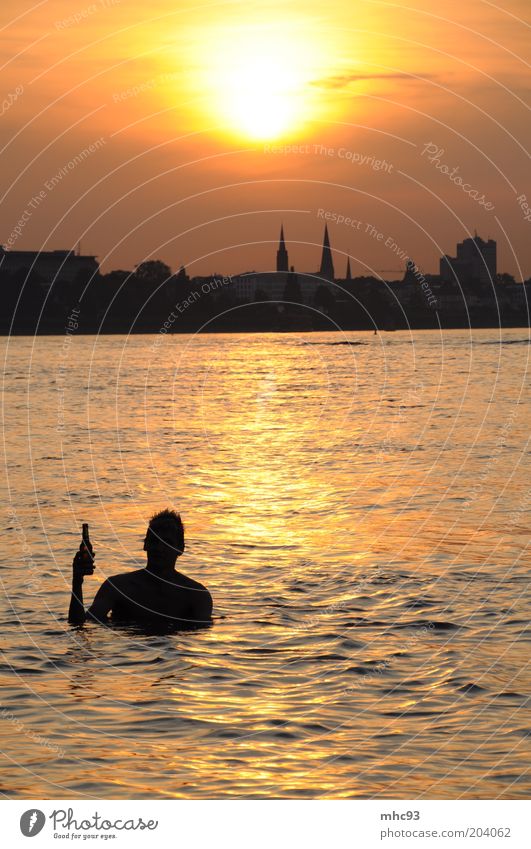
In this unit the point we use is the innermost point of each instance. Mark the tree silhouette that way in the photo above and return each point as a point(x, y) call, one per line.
point(153, 272)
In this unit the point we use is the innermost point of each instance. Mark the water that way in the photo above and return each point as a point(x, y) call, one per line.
point(360, 515)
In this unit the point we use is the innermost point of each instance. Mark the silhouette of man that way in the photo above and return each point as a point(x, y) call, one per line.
point(157, 593)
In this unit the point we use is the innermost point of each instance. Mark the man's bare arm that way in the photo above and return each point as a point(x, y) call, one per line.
point(76, 611)
point(103, 601)
point(201, 612)
point(82, 565)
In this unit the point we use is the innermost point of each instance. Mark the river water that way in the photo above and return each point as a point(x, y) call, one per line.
point(358, 506)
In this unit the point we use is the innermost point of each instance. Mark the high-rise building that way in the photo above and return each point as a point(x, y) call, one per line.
point(476, 259)
point(480, 256)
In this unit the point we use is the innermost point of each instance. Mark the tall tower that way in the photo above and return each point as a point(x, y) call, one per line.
point(348, 274)
point(282, 254)
point(327, 265)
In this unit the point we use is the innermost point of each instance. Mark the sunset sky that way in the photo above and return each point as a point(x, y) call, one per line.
point(212, 122)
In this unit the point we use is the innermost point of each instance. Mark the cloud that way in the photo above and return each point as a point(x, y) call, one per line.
point(344, 80)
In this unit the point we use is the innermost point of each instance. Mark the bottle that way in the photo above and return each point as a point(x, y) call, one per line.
point(86, 550)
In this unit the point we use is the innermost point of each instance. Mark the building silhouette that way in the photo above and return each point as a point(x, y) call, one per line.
point(38, 290)
point(282, 254)
point(285, 283)
point(475, 259)
point(326, 270)
point(348, 273)
point(50, 265)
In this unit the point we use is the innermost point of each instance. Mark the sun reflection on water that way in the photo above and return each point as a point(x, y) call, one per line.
point(366, 640)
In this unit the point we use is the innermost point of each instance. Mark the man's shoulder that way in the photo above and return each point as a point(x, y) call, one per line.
point(188, 583)
point(125, 578)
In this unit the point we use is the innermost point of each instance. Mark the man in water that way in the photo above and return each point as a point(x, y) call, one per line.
point(157, 593)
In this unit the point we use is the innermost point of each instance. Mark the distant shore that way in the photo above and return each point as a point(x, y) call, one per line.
point(28, 333)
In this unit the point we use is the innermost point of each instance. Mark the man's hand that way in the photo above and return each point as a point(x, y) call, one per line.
point(83, 564)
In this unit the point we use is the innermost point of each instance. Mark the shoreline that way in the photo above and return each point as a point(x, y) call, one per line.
point(261, 331)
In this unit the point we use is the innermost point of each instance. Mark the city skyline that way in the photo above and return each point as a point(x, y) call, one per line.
point(475, 251)
point(40, 289)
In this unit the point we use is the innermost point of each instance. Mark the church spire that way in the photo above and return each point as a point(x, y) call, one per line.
point(348, 274)
point(282, 254)
point(327, 264)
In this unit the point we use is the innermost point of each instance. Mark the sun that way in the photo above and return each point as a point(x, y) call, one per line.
point(257, 81)
point(263, 97)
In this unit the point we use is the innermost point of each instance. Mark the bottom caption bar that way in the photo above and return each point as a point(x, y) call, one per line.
point(278, 824)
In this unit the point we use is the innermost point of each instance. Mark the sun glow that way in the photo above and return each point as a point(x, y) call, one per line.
point(263, 98)
point(259, 81)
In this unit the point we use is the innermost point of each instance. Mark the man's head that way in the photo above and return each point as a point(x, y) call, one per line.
point(164, 540)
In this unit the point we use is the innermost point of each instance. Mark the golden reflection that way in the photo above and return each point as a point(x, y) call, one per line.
point(327, 555)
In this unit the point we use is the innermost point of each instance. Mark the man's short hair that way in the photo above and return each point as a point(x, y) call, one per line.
point(167, 526)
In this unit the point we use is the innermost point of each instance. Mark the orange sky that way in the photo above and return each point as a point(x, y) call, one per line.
point(211, 122)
